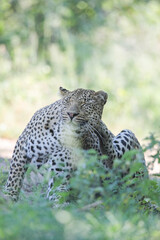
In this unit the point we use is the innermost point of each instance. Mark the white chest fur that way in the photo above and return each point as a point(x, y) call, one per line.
point(69, 137)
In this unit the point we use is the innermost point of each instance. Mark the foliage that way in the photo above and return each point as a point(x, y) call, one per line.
point(111, 205)
point(109, 45)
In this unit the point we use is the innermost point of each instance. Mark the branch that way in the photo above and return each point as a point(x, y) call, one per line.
point(92, 205)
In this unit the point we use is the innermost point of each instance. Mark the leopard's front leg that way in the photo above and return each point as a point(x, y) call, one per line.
point(18, 167)
point(106, 142)
point(116, 146)
point(62, 166)
point(57, 185)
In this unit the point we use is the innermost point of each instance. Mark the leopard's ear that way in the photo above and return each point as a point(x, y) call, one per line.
point(102, 96)
point(63, 91)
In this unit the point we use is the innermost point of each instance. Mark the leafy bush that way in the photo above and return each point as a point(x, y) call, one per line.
point(111, 205)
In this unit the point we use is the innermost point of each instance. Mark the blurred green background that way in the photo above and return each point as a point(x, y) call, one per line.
point(98, 44)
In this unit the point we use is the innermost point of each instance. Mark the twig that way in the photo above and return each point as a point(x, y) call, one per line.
point(92, 205)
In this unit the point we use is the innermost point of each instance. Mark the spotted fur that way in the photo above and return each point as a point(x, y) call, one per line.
point(57, 132)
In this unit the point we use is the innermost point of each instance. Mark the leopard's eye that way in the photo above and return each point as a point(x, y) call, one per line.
point(69, 100)
point(82, 102)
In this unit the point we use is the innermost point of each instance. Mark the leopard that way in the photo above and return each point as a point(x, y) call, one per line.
point(60, 133)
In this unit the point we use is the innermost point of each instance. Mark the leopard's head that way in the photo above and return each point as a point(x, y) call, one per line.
point(82, 106)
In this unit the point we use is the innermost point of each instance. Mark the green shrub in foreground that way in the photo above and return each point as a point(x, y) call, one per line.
point(102, 205)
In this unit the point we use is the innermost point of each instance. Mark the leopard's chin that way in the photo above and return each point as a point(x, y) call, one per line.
point(75, 122)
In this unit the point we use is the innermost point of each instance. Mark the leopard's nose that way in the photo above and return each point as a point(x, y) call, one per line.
point(72, 115)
